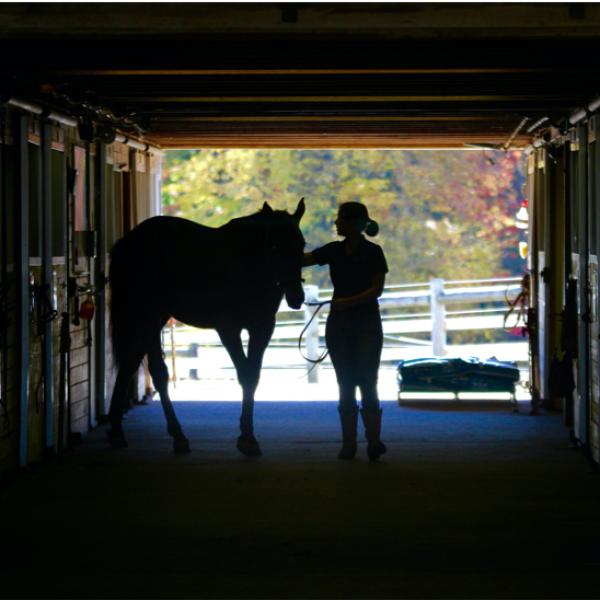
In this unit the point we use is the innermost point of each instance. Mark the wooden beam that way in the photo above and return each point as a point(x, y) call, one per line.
point(333, 99)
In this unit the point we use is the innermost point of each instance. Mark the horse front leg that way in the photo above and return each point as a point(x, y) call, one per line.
point(247, 444)
point(257, 344)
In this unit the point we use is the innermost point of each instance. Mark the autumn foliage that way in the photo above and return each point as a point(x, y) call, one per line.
point(447, 214)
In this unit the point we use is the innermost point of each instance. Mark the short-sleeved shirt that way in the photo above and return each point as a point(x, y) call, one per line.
point(353, 273)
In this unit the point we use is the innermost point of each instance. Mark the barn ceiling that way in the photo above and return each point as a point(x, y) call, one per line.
point(307, 75)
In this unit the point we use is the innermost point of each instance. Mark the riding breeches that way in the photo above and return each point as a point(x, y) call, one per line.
point(354, 340)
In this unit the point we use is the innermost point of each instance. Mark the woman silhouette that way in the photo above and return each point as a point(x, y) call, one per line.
point(354, 334)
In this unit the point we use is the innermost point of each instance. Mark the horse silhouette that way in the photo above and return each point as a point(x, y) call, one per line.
point(227, 278)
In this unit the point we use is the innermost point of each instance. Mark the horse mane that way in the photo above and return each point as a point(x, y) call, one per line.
point(275, 216)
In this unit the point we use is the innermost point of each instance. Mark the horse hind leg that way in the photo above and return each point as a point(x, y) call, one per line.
point(126, 371)
point(160, 379)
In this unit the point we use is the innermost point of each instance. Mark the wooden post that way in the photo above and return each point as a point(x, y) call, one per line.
point(311, 294)
point(438, 318)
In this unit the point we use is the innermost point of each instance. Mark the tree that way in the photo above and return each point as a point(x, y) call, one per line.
point(447, 214)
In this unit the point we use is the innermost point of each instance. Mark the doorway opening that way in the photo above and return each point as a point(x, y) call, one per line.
point(453, 224)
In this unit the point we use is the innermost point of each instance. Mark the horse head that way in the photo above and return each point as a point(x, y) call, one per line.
point(286, 251)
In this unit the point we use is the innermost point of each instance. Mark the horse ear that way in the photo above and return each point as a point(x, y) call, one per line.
point(300, 210)
point(267, 209)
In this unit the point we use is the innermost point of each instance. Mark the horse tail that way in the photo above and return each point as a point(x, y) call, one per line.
point(119, 278)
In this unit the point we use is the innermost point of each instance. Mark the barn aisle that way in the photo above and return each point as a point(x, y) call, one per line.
point(472, 502)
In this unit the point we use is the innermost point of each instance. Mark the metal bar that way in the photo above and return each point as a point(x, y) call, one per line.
point(594, 105)
point(35, 109)
point(22, 280)
point(47, 282)
point(62, 119)
point(25, 105)
point(136, 144)
point(514, 134)
point(577, 116)
point(537, 123)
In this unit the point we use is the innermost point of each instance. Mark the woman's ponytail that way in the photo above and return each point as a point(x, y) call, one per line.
point(372, 228)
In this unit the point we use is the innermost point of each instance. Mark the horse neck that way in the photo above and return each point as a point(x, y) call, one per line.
point(247, 235)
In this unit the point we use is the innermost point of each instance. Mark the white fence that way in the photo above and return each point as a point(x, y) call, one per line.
point(449, 306)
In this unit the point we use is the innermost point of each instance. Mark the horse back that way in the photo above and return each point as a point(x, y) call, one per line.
point(180, 255)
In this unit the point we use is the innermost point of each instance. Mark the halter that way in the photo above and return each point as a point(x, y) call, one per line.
point(267, 252)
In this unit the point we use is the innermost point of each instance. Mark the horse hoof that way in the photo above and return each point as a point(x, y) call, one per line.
point(248, 446)
point(117, 439)
point(181, 446)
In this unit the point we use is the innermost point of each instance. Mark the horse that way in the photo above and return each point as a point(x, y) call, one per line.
point(227, 278)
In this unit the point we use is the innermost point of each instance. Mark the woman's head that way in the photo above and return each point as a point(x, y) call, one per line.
point(353, 217)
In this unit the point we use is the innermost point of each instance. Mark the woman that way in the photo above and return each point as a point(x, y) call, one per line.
point(354, 334)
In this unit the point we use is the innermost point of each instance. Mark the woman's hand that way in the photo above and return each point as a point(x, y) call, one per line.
point(370, 294)
point(343, 303)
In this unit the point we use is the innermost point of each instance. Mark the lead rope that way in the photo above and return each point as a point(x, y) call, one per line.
point(314, 361)
point(518, 305)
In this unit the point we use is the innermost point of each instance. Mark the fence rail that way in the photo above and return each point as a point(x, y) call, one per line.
point(436, 294)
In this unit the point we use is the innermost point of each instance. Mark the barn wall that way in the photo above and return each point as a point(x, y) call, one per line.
point(53, 412)
point(9, 414)
point(564, 194)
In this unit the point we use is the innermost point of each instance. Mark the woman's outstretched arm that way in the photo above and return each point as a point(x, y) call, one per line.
point(309, 260)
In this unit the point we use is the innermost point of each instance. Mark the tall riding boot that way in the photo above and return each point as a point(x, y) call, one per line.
point(348, 421)
point(372, 422)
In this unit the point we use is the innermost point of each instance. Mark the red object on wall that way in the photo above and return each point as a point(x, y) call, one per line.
point(87, 309)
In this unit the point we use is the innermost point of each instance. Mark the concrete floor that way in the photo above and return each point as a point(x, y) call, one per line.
point(470, 502)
